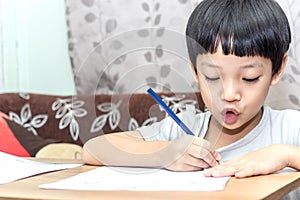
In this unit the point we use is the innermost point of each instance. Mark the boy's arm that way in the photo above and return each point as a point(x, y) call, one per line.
point(114, 149)
point(129, 149)
point(263, 161)
point(294, 157)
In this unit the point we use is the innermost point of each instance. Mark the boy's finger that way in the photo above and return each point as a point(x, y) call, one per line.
point(204, 154)
point(221, 171)
point(217, 155)
point(211, 160)
point(196, 162)
point(202, 143)
point(208, 157)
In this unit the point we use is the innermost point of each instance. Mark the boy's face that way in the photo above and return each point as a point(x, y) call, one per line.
point(234, 88)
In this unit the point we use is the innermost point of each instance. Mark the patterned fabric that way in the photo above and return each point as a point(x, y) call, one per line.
point(109, 46)
point(75, 119)
point(121, 46)
point(16, 140)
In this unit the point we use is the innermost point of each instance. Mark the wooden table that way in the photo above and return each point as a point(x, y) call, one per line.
point(260, 187)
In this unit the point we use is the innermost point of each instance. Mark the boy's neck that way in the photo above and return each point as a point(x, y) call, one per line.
point(220, 136)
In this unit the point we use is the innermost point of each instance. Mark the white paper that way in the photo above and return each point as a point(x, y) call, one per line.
point(13, 168)
point(121, 178)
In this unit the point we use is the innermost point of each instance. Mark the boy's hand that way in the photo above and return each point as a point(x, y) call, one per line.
point(197, 156)
point(263, 161)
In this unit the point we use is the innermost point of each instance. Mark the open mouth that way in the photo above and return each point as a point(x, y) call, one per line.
point(230, 116)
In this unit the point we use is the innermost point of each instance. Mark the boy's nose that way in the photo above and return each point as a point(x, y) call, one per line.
point(231, 91)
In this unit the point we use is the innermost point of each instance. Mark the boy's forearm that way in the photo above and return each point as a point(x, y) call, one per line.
point(125, 150)
point(294, 157)
point(118, 149)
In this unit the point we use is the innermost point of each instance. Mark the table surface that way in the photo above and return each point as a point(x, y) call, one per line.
point(271, 186)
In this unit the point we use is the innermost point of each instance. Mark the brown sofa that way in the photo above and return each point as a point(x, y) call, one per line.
point(75, 119)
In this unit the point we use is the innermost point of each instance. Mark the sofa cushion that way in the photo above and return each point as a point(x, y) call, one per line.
point(17, 140)
point(60, 150)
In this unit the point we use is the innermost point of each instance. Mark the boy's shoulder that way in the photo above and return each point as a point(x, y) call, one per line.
point(284, 113)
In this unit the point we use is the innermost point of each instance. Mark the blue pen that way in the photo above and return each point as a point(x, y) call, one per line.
point(169, 111)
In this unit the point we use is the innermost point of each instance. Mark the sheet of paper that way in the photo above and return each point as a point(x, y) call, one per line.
point(121, 178)
point(13, 168)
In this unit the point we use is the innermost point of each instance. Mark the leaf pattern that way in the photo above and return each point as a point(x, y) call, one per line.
point(25, 96)
point(178, 103)
point(65, 121)
point(67, 110)
point(160, 31)
point(25, 113)
point(88, 3)
point(57, 104)
point(77, 104)
point(15, 117)
point(114, 119)
point(119, 61)
point(72, 108)
point(111, 113)
point(159, 51)
point(74, 129)
point(105, 107)
point(145, 6)
point(80, 112)
point(98, 123)
point(38, 121)
point(157, 6)
point(183, 1)
point(143, 32)
point(30, 129)
point(90, 17)
point(165, 70)
point(150, 20)
point(151, 81)
point(61, 112)
point(31, 123)
point(157, 19)
point(133, 124)
point(148, 56)
point(111, 25)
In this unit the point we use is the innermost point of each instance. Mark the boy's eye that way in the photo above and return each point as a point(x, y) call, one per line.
point(251, 79)
point(211, 78)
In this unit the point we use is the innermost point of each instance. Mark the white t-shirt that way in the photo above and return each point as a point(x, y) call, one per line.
point(275, 127)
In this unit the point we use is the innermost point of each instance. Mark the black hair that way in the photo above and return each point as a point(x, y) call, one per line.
point(241, 27)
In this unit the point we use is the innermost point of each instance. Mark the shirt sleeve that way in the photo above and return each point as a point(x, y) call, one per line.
point(168, 129)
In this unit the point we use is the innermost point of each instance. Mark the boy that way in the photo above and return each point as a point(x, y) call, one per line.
point(238, 49)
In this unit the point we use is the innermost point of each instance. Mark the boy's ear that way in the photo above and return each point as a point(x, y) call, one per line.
point(276, 77)
point(195, 74)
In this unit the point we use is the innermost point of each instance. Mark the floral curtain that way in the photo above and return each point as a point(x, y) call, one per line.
point(119, 46)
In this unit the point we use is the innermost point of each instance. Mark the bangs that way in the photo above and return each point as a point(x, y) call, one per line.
point(241, 38)
point(241, 28)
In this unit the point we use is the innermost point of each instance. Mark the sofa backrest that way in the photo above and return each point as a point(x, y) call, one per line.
point(75, 119)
